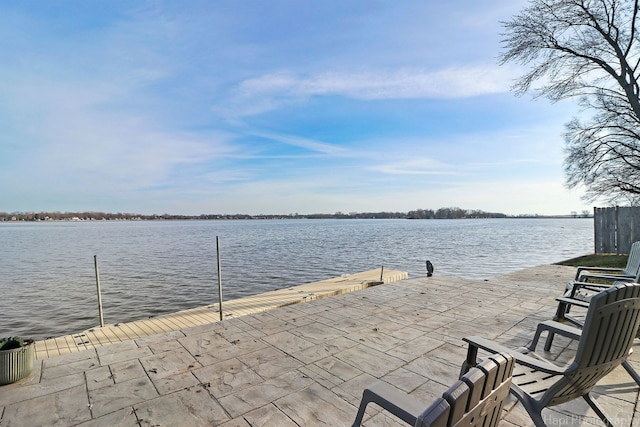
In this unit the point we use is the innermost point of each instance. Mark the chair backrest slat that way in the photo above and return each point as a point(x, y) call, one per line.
point(437, 415)
point(476, 381)
point(503, 371)
point(492, 379)
point(457, 396)
point(633, 262)
point(475, 400)
point(503, 374)
point(611, 318)
point(610, 326)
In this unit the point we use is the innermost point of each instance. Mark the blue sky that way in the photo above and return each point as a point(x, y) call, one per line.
point(280, 106)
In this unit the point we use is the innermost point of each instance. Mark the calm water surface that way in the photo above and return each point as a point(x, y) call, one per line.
point(147, 268)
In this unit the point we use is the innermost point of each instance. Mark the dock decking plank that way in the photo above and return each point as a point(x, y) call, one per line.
point(111, 334)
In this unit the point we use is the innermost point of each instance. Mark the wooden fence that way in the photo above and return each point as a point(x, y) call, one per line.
point(615, 229)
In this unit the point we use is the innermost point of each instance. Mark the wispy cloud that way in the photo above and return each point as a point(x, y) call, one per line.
point(306, 143)
point(454, 82)
point(417, 166)
point(76, 135)
point(270, 91)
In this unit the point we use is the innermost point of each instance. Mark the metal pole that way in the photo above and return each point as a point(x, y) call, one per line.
point(95, 262)
point(219, 276)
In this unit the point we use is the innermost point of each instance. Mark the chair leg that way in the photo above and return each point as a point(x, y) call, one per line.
point(382, 394)
point(366, 398)
point(596, 408)
point(549, 341)
point(563, 308)
point(534, 343)
point(627, 366)
point(534, 410)
point(536, 338)
point(537, 419)
point(536, 416)
point(471, 360)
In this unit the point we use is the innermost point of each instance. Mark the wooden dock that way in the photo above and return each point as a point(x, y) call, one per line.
point(111, 334)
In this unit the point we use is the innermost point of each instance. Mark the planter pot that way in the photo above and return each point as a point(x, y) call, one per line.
point(17, 363)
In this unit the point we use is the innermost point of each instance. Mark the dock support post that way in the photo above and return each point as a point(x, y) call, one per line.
point(381, 273)
point(219, 276)
point(95, 263)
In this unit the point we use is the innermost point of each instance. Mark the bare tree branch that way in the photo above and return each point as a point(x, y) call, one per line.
point(586, 49)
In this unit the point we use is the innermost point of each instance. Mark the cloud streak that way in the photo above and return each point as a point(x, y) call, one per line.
point(271, 91)
point(418, 166)
point(458, 82)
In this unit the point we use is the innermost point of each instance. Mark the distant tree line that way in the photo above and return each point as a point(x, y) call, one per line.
point(442, 213)
point(104, 216)
point(452, 213)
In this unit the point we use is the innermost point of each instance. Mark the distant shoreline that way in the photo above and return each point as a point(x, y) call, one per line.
point(93, 216)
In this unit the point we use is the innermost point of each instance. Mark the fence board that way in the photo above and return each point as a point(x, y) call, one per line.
point(615, 229)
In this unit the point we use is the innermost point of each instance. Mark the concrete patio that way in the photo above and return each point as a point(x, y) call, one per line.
point(307, 364)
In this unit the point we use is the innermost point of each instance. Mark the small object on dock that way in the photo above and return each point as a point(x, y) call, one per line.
point(429, 269)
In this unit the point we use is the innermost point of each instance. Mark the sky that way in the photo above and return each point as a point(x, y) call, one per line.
point(272, 107)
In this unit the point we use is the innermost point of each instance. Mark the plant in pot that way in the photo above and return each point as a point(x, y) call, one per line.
point(16, 359)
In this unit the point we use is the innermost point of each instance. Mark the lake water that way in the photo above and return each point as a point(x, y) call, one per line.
point(148, 268)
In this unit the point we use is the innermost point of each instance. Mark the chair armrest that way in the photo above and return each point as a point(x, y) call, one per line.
point(554, 327)
point(493, 347)
point(573, 301)
point(603, 269)
point(564, 305)
point(611, 277)
point(397, 401)
point(575, 286)
point(393, 400)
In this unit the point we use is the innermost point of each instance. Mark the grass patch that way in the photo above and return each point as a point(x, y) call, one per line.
point(611, 261)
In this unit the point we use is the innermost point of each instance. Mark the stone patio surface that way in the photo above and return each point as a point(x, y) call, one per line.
point(307, 364)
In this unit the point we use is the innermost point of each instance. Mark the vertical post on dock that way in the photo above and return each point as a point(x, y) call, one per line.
point(95, 263)
point(381, 273)
point(219, 275)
